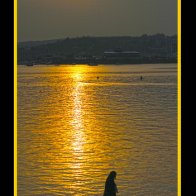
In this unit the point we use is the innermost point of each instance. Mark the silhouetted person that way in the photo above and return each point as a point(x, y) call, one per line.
point(97, 77)
point(110, 186)
point(141, 78)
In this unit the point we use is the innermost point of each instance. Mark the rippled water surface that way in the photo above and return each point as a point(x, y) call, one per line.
point(77, 123)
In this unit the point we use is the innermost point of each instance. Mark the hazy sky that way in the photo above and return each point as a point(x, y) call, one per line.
point(51, 19)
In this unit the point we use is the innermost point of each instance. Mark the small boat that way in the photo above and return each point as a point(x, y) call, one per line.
point(29, 64)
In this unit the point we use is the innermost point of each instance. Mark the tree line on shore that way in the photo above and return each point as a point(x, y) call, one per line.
point(158, 46)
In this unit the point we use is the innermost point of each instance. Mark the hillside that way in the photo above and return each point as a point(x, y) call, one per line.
point(59, 51)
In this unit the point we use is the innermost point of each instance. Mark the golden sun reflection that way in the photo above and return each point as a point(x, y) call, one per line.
point(77, 121)
point(77, 118)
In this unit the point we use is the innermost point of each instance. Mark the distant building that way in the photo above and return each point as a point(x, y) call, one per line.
point(118, 54)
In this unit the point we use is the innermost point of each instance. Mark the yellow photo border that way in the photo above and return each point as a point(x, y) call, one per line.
point(179, 99)
point(15, 94)
point(178, 96)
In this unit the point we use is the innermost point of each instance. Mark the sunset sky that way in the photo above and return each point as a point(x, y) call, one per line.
point(53, 19)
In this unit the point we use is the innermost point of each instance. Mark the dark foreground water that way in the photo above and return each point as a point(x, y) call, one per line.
point(77, 123)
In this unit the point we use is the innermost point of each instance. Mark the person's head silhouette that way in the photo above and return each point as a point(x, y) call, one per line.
point(112, 175)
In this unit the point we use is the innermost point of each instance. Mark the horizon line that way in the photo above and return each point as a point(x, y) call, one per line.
point(95, 36)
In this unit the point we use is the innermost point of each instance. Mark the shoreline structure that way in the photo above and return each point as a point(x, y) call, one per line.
point(145, 49)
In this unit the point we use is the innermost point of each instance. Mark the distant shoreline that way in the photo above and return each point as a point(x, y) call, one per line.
point(146, 49)
point(103, 62)
point(112, 64)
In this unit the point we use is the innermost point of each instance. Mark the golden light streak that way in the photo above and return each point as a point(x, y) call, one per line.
point(77, 118)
